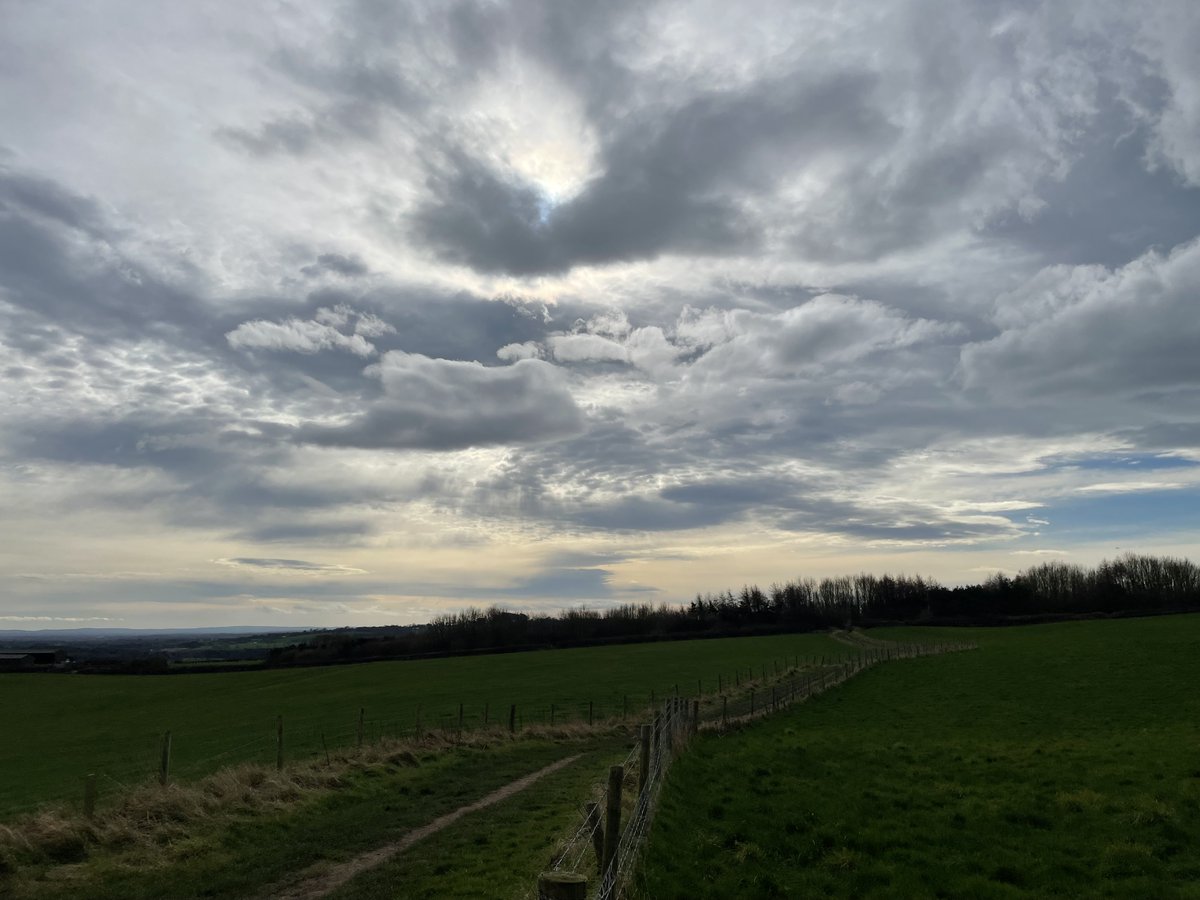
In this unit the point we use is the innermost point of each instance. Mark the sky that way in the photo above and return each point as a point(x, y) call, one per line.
point(319, 314)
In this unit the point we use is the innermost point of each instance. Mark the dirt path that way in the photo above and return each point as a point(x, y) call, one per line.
point(858, 640)
point(321, 881)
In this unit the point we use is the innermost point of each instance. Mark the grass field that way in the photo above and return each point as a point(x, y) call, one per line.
point(59, 728)
point(257, 850)
point(1058, 759)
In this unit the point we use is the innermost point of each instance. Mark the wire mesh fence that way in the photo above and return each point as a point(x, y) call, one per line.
point(612, 851)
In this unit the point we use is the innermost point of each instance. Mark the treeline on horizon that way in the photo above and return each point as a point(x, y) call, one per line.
point(1130, 585)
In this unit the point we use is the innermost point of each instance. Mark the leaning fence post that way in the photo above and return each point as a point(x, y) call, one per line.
point(164, 766)
point(612, 820)
point(89, 796)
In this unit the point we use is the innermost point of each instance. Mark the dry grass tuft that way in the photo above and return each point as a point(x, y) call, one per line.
point(153, 815)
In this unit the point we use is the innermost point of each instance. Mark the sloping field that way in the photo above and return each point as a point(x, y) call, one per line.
point(1056, 760)
point(60, 728)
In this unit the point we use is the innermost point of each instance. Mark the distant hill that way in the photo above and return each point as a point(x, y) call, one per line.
point(54, 635)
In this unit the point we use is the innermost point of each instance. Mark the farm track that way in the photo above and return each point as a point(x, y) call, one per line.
point(322, 881)
point(858, 640)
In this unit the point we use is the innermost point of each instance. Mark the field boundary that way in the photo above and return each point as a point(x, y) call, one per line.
point(616, 849)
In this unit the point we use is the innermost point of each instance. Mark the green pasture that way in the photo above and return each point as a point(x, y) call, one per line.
point(58, 728)
point(1056, 760)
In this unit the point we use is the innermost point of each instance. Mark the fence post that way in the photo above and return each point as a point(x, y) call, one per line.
point(551, 715)
point(164, 766)
point(751, 701)
point(485, 715)
point(644, 758)
point(460, 719)
point(361, 712)
point(695, 716)
point(279, 742)
point(612, 819)
point(589, 713)
point(512, 719)
point(561, 886)
point(624, 706)
point(89, 796)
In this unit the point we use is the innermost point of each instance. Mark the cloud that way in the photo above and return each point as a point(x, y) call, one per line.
point(312, 336)
point(523, 350)
point(1096, 331)
point(447, 404)
point(290, 566)
point(668, 183)
point(349, 266)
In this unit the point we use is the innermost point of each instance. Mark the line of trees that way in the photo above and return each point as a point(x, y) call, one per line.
point(1130, 585)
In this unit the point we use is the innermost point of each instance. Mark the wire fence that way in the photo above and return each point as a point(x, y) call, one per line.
point(612, 850)
point(137, 757)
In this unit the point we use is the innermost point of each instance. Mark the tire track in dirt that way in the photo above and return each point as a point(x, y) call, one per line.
point(322, 881)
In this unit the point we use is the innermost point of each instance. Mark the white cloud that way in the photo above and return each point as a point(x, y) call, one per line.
point(523, 350)
point(322, 332)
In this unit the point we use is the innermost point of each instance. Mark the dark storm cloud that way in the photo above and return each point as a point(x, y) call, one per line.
point(673, 181)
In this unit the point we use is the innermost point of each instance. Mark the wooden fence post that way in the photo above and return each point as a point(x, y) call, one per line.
point(612, 818)
point(460, 719)
point(164, 766)
point(695, 716)
point(589, 713)
point(751, 701)
point(361, 712)
point(562, 886)
point(89, 796)
point(485, 715)
point(279, 742)
point(724, 711)
point(512, 719)
point(644, 758)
